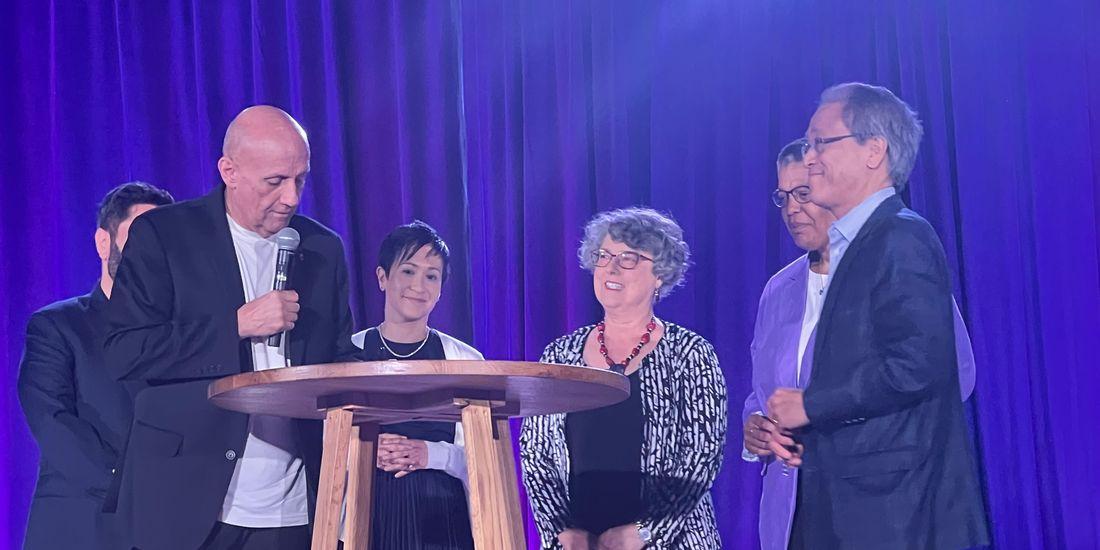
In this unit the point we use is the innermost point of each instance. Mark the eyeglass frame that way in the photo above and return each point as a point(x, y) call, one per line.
point(819, 143)
point(617, 258)
point(787, 195)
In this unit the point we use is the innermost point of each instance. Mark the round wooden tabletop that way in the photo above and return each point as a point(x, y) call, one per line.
point(394, 391)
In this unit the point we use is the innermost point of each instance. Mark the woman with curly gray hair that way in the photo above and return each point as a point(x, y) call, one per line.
point(638, 473)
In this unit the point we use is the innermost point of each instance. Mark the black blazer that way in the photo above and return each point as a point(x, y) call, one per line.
point(173, 328)
point(79, 415)
point(887, 459)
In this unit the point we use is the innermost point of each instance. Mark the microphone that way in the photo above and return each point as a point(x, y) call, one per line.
point(287, 240)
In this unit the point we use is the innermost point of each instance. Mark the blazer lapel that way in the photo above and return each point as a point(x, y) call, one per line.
point(303, 280)
point(794, 303)
point(808, 360)
point(223, 259)
point(775, 354)
point(888, 208)
point(222, 253)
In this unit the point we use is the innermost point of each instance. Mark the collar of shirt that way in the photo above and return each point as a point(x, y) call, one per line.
point(844, 230)
point(240, 233)
point(848, 226)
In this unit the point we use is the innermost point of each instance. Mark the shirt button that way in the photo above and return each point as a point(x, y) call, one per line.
point(231, 454)
point(113, 471)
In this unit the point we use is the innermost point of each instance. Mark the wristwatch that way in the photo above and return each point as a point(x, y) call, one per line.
point(644, 533)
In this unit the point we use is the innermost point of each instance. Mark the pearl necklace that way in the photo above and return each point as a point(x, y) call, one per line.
point(398, 355)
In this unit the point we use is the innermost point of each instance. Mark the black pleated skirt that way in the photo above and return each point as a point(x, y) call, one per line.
point(424, 510)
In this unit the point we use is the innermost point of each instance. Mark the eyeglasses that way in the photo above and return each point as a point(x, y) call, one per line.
point(627, 259)
point(801, 195)
point(819, 143)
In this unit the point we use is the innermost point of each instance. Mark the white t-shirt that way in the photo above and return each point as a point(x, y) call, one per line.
point(268, 488)
point(815, 299)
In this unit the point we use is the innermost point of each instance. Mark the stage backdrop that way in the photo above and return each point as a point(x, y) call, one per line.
point(507, 124)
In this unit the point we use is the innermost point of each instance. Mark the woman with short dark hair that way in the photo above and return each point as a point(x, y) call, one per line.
point(420, 480)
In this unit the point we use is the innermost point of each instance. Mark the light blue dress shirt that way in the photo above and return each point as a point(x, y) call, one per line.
point(844, 230)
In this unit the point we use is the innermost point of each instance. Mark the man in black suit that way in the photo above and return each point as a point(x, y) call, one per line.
point(79, 414)
point(193, 302)
point(879, 434)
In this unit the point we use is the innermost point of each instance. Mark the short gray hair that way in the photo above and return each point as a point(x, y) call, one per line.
point(642, 229)
point(791, 153)
point(871, 111)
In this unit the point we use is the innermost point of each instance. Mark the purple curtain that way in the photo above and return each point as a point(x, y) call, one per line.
point(506, 124)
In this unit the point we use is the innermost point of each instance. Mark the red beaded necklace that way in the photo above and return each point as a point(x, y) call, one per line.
point(621, 367)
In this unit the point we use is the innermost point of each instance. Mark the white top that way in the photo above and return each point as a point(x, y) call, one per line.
point(815, 299)
point(268, 488)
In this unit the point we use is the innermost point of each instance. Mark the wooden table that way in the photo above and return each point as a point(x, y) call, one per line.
point(355, 398)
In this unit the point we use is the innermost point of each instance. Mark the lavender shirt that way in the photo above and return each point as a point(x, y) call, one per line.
point(774, 362)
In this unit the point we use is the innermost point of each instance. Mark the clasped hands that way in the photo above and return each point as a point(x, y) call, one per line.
point(397, 453)
point(772, 434)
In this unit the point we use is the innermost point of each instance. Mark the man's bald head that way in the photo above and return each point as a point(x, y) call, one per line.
point(261, 122)
point(264, 164)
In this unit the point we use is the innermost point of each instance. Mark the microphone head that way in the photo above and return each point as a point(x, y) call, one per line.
point(287, 239)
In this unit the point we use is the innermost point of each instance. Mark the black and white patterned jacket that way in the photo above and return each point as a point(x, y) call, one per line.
point(684, 409)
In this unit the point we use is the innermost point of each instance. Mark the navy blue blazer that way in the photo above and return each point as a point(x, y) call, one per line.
point(172, 329)
point(887, 460)
point(79, 415)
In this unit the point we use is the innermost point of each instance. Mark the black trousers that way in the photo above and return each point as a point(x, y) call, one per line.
point(798, 523)
point(231, 537)
point(811, 527)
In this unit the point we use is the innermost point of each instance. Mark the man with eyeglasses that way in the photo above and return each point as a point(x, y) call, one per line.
point(781, 355)
point(878, 432)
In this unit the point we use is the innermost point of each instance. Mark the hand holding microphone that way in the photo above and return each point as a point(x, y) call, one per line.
point(275, 312)
point(269, 315)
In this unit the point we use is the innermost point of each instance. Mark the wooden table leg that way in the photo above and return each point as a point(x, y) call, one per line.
point(494, 512)
point(334, 469)
point(506, 460)
point(360, 501)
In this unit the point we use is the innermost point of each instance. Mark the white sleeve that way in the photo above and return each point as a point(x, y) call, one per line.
point(449, 457)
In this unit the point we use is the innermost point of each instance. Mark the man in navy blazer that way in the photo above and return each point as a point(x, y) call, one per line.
point(78, 413)
point(879, 433)
point(193, 302)
point(781, 352)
